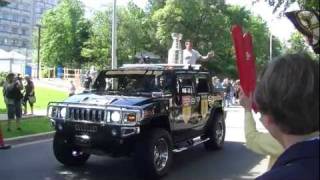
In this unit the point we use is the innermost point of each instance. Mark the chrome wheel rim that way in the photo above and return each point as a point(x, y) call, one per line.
point(160, 154)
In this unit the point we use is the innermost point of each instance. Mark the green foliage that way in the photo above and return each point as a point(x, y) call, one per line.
point(44, 96)
point(97, 49)
point(32, 125)
point(64, 31)
point(208, 24)
point(69, 40)
point(297, 43)
point(282, 5)
point(133, 33)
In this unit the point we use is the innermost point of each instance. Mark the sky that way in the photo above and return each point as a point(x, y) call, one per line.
point(280, 27)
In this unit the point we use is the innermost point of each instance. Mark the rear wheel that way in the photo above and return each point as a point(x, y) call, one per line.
point(153, 154)
point(216, 133)
point(66, 153)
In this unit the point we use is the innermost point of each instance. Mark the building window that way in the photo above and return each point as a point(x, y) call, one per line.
point(14, 42)
point(23, 31)
point(24, 43)
point(5, 41)
point(14, 30)
point(15, 17)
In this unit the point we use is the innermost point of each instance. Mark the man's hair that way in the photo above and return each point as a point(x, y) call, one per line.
point(10, 77)
point(288, 90)
point(188, 40)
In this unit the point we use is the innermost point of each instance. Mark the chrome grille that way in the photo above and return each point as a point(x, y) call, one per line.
point(94, 115)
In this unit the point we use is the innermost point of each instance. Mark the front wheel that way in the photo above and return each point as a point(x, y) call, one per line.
point(153, 154)
point(216, 133)
point(66, 153)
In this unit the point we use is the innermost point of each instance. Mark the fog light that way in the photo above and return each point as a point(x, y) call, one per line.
point(114, 132)
point(60, 127)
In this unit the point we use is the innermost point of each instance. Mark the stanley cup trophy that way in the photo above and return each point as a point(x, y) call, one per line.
point(175, 52)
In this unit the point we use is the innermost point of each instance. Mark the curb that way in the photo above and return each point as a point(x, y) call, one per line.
point(29, 138)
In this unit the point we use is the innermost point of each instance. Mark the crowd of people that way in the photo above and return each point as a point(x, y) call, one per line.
point(230, 89)
point(18, 92)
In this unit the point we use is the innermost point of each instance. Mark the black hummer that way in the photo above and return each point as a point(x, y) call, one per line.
point(144, 111)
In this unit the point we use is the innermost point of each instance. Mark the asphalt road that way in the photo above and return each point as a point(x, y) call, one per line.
point(35, 161)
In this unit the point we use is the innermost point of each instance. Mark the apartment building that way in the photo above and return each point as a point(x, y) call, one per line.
point(18, 20)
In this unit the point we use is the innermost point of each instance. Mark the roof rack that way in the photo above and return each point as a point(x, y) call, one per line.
point(161, 66)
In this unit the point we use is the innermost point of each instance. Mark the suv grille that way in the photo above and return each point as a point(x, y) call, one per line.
point(94, 115)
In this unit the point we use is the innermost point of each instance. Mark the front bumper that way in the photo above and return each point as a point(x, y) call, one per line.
point(110, 139)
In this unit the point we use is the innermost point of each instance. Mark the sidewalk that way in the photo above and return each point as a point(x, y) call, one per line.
point(57, 84)
point(4, 117)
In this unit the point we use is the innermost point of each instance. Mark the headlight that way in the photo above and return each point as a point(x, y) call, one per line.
point(63, 112)
point(115, 116)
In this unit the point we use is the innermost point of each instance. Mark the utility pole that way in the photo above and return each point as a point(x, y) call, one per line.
point(114, 36)
point(38, 55)
point(270, 46)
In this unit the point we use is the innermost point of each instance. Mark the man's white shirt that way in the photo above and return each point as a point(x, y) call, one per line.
point(190, 57)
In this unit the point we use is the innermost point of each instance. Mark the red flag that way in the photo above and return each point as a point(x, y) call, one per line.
point(237, 37)
point(245, 60)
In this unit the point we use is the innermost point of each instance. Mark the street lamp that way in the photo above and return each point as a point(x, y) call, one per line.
point(114, 36)
point(38, 55)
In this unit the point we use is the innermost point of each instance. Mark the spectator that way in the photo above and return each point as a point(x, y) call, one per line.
point(228, 92)
point(72, 89)
point(237, 91)
point(12, 97)
point(29, 95)
point(191, 56)
point(290, 112)
point(87, 81)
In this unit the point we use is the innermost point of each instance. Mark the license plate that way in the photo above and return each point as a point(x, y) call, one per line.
point(86, 128)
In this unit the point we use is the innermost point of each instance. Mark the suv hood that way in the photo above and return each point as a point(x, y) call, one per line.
point(108, 99)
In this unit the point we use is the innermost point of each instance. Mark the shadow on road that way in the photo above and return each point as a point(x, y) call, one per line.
point(232, 162)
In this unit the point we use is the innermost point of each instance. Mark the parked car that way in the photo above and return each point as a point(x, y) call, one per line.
point(144, 111)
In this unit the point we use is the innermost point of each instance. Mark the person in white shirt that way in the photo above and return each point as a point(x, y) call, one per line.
point(72, 88)
point(191, 56)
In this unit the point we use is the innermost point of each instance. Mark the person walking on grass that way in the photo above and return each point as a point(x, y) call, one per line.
point(13, 97)
point(29, 95)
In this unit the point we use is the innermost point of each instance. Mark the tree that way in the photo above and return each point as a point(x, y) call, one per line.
point(133, 32)
point(208, 24)
point(297, 43)
point(282, 5)
point(64, 30)
point(98, 47)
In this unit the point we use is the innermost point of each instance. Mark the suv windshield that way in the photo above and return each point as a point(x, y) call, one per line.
point(112, 82)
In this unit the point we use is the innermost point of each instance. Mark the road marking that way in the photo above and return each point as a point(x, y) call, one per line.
point(31, 143)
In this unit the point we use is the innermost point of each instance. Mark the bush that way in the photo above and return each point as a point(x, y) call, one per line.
point(3, 76)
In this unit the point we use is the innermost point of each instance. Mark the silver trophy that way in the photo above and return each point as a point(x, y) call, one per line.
point(175, 52)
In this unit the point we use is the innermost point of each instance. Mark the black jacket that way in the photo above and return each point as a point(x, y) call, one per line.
point(299, 162)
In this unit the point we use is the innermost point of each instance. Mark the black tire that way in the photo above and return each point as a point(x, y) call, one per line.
point(216, 133)
point(149, 166)
point(66, 153)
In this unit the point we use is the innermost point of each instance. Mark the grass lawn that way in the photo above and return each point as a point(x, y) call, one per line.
point(43, 96)
point(29, 126)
